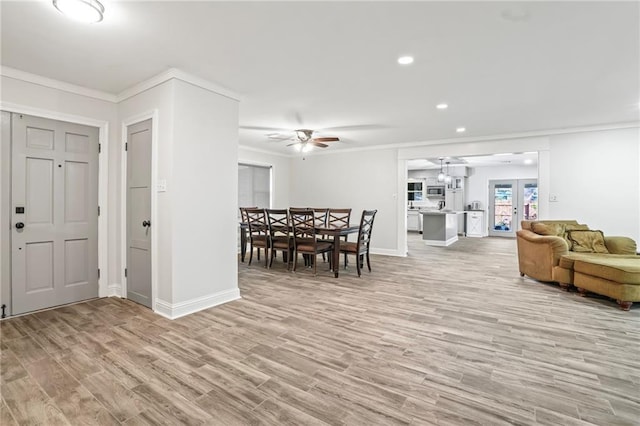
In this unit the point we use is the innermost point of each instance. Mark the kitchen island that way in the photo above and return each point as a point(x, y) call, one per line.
point(440, 227)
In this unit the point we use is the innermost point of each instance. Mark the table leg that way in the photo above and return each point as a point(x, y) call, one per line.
point(336, 255)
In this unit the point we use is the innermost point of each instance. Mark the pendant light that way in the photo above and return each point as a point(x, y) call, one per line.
point(88, 11)
point(447, 178)
point(441, 174)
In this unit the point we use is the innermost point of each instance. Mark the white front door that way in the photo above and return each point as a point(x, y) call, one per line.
point(54, 212)
point(139, 213)
point(510, 202)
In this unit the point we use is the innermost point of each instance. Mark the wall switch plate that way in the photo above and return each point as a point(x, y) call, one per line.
point(162, 185)
point(553, 198)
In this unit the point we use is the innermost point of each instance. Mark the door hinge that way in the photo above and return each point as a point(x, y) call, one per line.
point(98, 273)
point(99, 148)
point(126, 146)
point(125, 272)
point(98, 210)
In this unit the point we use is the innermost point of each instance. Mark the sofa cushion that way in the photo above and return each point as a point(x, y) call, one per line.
point(621, 245)
point(558, 229)
point(567, 261)
point(622, 270)
point(542, 228)
point(587, 241)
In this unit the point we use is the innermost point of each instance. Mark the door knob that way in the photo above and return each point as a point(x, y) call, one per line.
point(146, 223)
point(19, 225)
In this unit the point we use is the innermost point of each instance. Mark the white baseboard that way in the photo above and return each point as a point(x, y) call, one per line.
point(114, 290)
point(180, 309)
point(387, 252)
point(440, 243)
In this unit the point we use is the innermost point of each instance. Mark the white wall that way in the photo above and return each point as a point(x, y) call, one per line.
point(205, 194)
point(359, 180)
point(196, 154)
point(280, 173)
point(596, 177)
point(35, 99)
point(479, 177)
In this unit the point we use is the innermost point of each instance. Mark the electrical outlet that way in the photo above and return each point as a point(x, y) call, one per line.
point(553, 198)
point(162, 185)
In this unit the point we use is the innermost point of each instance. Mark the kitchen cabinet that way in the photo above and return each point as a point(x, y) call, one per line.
point(414, 221)
point(475, 223)
point(454, 201)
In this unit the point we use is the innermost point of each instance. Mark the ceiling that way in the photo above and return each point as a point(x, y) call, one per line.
point(494, 160)
point(502, 67)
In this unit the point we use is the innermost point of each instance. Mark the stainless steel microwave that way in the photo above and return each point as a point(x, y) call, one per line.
point(435, 191)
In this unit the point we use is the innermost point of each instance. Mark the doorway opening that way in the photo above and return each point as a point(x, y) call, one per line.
point(465, 188)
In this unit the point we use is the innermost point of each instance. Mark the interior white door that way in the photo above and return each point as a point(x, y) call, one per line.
point(510, 202)
point(54, 212)
point(139, 213)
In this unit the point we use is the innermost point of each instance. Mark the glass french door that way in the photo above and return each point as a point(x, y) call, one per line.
point(510, 202)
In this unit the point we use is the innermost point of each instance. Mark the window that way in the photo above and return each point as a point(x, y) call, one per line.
point(254, 186)
point(414, 191)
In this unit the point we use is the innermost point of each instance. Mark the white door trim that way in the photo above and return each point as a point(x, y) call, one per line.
point(153, 115)
point(103, 179)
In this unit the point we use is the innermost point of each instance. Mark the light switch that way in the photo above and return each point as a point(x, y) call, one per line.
point(162, 185)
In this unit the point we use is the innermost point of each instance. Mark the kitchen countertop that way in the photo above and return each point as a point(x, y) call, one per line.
point(440, 212)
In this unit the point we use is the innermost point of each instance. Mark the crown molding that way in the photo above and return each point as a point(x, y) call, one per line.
point(489, 138)
point(174, 73)
point(56, 84)
point(264, 151)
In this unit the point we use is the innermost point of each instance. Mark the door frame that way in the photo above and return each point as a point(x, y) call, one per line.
point(153, 115)
point(103, 199)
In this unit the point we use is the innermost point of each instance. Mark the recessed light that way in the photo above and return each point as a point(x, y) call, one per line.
point(405, 60)
point(460, 129)
point(442, 106)
point(528, 161)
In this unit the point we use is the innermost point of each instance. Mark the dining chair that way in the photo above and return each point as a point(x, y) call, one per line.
point(339, 218)
point(305, 242)
point(244, 228)
point(281, 239)
point(258, 233)
point(360, 248)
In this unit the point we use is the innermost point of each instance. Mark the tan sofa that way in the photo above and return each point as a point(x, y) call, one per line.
point(570, 254)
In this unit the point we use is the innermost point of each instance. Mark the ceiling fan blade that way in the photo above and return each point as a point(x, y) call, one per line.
point(295, 143)
point(326, 139)
point(280, 138)
point(318, 144)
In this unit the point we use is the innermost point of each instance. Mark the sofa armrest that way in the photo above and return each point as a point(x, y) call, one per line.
point(538, 254)
point(620, 245)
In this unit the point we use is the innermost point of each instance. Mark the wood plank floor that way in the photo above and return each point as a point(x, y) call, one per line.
point(448, 336)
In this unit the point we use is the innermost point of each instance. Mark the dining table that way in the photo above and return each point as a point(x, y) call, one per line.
point(337, 233)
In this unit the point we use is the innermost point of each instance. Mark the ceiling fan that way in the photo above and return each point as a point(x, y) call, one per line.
point(304, 140)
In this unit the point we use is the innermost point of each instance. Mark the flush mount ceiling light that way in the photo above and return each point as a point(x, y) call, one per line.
point(88, 11)
point(405, 60)
point(442, 106)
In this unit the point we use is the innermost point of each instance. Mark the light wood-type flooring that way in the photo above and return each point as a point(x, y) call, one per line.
point(450, 336)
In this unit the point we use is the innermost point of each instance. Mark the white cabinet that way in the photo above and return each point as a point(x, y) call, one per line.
point(475, 224)
point(413, 221)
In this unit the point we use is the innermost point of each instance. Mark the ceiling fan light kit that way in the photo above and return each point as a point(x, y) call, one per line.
point(88, 11)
